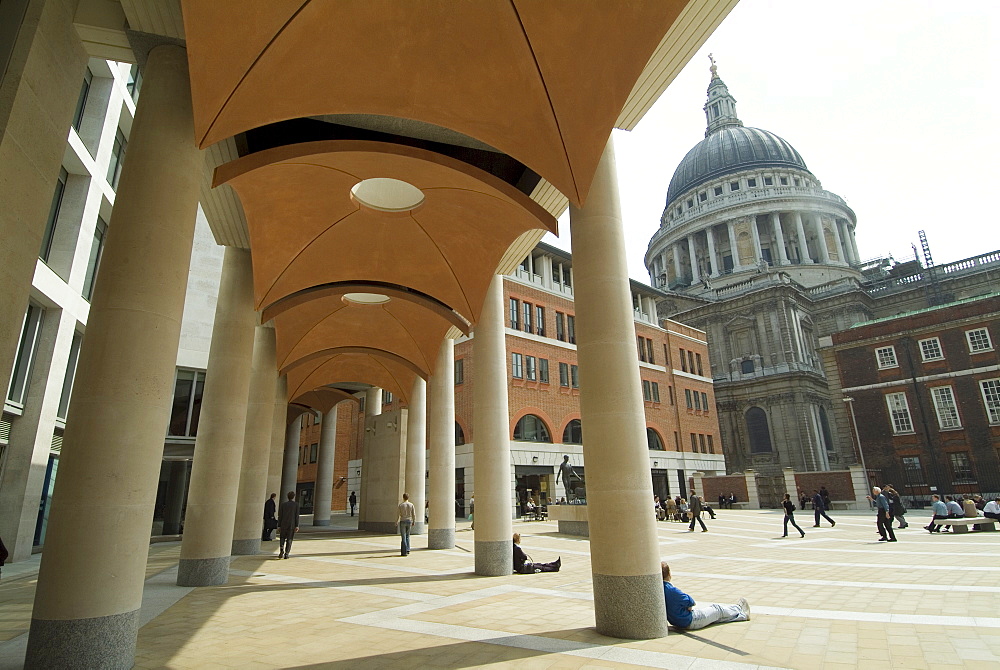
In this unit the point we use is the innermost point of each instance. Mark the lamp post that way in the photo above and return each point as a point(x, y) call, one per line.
point(861, 452)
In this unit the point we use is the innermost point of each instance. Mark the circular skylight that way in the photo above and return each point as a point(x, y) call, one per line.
point(387, 195)
point(366, 298)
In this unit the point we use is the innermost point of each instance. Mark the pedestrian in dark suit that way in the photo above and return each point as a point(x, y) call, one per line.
point(354, 502)
point(819, 509)
point(696, 508)
point(288, 524)
point(270, 523)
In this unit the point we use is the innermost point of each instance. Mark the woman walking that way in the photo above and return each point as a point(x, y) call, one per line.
point(789, 515)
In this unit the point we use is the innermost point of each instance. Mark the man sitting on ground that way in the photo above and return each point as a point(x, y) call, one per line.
point(682, 613)
point(524, 565)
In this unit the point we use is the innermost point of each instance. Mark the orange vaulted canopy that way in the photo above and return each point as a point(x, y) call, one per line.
point(307, 229)
point(543, 82)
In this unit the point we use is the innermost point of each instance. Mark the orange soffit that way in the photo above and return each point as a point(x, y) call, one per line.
point(543, 82)
point(346, 211)
point(342, 368)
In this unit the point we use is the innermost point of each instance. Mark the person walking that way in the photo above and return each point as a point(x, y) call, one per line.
point(696, 507)
point(819, 509)
point(270, 522)
point(353, 500)
point(405, 518)
point(790, 516)
point(883, 518)
point(896, 508)
point(288, 524)
point(682, 612)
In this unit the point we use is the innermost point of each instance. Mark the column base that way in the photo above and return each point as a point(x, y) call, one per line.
point(443, 538)
point(494, 559)
point(321, 522)
point(203, 571)
point(98, 642)
point(579, 528)
point(418, 528)
point(630, 607)
point(379, 527)
point(246, 547)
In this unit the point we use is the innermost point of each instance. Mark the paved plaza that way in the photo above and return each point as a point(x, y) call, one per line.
point(347, 599)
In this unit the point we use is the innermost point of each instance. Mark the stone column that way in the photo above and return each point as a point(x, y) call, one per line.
point(753, 499)
point(278, 428)
point(693, 260)
point(441, 434)
point(755, 235)
point(176, 488)
point(416, 451)
point(290, 467)
point(824, 252)
point(676, 251)
point(791, 487)
point(804, 257)
point(839, 243)
point(86, 611)
point(323, 496)
point(713, 264)
point(373, 401)
point(854, 243)
point(779, 238)
point(733, 249)
point(625, 558)
point(256, 446)
point(491, 446)
point(218, 449)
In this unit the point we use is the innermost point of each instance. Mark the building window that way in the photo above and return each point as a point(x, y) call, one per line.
point(768, 181)
point(746, 366)
point(570, 329)
point(979, 340)
point(134, 82)
point(94, 262)
point(704, 401)
point(560, 326)
point(649, 351)
point(54, 209)
point(656, 392)
point(784, 181)
point(574, 376)
point(687, 399)
point(797, 182)
point(529, 368)
point(459, 435)
point(70, 377)
point(961, 467)
point(313, 452)
point(653, 441)
point(717, 190)
point(527, 317)
point(899, 411)
point(564, 374)
point(684, 365)
point(711, 445)
point(27, 347)
point(647, 391)
point(573, 433)
point(543, 370)
point(944, 405)
point(539, 320)
point(914, 472)
point(734, 186)
point(758, 431)
point(670, 392)
point(703, 196)
point(81, 102)
point(531, 429)
point(186, 409)
point(991, 398)
point(701, 443)
point(886, 357)
point(459, 371)
point(697, 360)
point(641, 342)
point(694, 443)
point(690, 355)
point(697, 400)
point(930, 349)
point(517, 371)
point(515, 312)
point(117, 158)
point(751, 183)
point(386, 397)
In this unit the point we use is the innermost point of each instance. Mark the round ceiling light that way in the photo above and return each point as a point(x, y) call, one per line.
point(387, 195)
point(366, 298)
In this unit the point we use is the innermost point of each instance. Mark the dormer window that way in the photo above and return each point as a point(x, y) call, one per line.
point(751, 183)
point(784, 181)
point(768, 181)
point(702, 197)
point(797, 181)
point(718, 190)
point(734, 186)
point(690, 203)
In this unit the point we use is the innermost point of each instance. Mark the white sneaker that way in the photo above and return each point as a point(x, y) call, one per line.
point(745, 606)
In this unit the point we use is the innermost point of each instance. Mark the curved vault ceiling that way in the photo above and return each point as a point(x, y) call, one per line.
point(323, 399)
point(543, 82)
point(379, 371)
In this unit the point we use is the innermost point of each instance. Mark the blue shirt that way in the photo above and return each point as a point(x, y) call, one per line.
point(939, 508)
point(678, 603)
point(882, 502)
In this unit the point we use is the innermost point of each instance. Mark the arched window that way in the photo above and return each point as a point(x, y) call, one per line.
point(760, 434)
point(459, 435)
point(824, 423)
point(531, 429)
point(573, 434)
point(654, 441)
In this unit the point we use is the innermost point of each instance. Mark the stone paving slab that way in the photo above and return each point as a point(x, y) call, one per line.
point(835, 599)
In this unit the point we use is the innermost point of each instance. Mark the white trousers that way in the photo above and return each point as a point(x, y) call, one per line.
point(706, 615)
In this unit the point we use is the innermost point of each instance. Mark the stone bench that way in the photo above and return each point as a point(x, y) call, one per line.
point(961, 525)
point(738, 505)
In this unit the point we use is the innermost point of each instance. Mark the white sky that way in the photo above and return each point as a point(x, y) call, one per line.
point(892, 104)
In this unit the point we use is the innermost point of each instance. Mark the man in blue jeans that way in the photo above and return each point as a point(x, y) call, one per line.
point(405, 518)
point(682, 613)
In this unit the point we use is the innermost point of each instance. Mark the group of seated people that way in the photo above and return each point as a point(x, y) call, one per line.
point(952, 508)
point(727, 500)
point(676, 509)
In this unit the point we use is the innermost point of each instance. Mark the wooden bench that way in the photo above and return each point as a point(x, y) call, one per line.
point(961, 525)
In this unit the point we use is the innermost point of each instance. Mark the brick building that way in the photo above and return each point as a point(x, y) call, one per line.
point(926, 395)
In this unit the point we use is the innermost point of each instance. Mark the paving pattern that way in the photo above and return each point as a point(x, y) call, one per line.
point(346, 599)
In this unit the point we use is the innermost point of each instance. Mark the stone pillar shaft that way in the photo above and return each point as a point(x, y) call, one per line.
point(676, 251)
point(441, 434)
point(779, 238)
point(491, 428)
point(693, 260)
point(373, 401)
point(755, 236)
point(323, 496)
point(713, 263)
point(218, 450)
point(625, 562)
point(824, 251)
point(733, 249)
point(290, 467)
point(278, 416)
point(86, 611)
point(416, 451)
point(800, 230)
point(256, 445)
point(176, 488)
